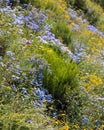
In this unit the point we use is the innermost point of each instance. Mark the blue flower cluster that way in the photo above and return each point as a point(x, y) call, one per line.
point(12, 17)
point(10, 2)
point(85, 119)
point(17, 16)
point(74, 15)
point(34, 19)
point(95, 30)
point(78, 54)
point(20, 80)
point(48, 36)
point(43, 96)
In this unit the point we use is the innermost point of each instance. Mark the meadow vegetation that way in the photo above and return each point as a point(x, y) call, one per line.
point(51, 65)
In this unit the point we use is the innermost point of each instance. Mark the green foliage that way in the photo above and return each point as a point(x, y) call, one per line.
point(61, 81)
point(77, 3)
point(62, 75)
point(62, 31)
point(91, 9)
point(3, 45)
point(72, 2)
point(28, 118)
point(28, 57)
point(50, 5)
point(101, 2)
point(25, 1)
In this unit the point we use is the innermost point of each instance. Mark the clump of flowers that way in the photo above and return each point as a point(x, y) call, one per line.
point(92, 81)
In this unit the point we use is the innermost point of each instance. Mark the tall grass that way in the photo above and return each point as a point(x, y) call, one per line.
point(62, 31)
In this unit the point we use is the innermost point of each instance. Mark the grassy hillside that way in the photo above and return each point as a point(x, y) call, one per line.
point(51, 65)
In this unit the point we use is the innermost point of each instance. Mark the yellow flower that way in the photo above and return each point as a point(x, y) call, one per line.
point(72, 24)
point(57, 122)
point(49, 51)
point(8, 88)
point(63, 114)
point(99, 44)
point(102, 126)
point(76, 126)
point(3, 20)
point(66, 127)
point(25, 46)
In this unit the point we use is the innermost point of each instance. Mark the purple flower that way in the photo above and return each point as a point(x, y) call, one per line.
point(47, 27)
point(29, 41)
point(1, 1)
point(10, 53)
point(92, 28)
point(35, 27)
point(45, 37)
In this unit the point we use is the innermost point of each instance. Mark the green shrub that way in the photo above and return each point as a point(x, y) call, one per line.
point(62, 76)
point(62, 31)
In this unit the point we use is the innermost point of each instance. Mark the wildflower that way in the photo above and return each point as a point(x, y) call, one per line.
point(44, 101)
point(57, 122)
point(25, 47)
point(49, 51)
point(3, 20)
point(8, 88)
point(10, 53)
point(76, 126)
point(29, 41)
point(63, 114)
point(66, 127)
point(102, 126)
point(73, 24)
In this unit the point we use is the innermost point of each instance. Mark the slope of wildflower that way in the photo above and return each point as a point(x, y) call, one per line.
point(51, 66)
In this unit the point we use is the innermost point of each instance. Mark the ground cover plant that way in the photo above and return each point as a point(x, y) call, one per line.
point(51, 65)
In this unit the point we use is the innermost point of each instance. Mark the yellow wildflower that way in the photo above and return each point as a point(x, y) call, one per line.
point(66, 127)
point(8, 88)
point(3, 20)
point(72, 23)
point(49, 51)
point(63, 114)
point(76, 126)
point(57, 122)
point(25, 46)
point(102, 126)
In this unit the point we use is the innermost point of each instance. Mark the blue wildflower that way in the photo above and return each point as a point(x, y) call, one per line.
point(10, 53)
